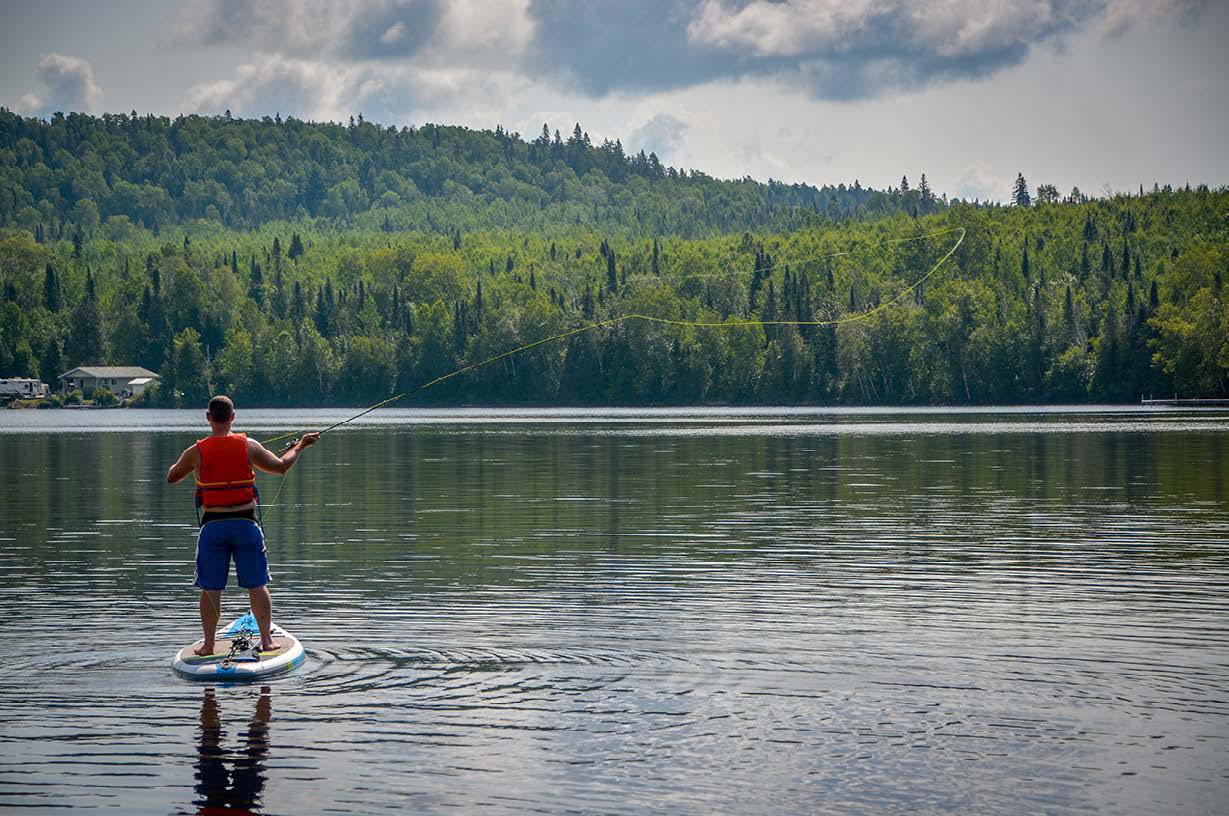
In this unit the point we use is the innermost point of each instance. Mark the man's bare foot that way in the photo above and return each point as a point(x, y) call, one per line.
point(205, 650)
point(271, 646)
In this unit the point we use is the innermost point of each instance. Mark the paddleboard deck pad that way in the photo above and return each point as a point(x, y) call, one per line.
point(236, 654)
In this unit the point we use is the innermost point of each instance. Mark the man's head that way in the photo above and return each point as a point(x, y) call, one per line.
point(221, 411)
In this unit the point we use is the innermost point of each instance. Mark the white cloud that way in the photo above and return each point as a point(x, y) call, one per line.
point(30, 104)
point(292, 27)
point(459, 33)
point(978, 181)
point(70, 86)
point(1122, 15)
point(954, 28)
point(331, 91)
point(292, 87)
point(662, 134)
point(832, 49)
point(394, 33)
point(969, 137)
point(487, 27)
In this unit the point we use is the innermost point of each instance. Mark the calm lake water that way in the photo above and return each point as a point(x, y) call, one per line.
point(683, 611)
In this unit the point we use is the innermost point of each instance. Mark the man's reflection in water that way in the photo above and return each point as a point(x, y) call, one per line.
point(231, 782)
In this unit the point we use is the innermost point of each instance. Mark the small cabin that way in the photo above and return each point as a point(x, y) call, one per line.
point(123, 381)
point(24, 388)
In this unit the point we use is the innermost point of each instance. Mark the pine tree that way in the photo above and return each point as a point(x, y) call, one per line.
point(612, 280)
point(51, 365)
point(257, 289)
point(191, 368)
point(769, 315)
point(86, 340)
point(279, 292)
point(321, 315)
point(757, 280)
point(1020, 196)
point(1069, 316)
point(52, 299)
point(925, 193)
point(588, 309)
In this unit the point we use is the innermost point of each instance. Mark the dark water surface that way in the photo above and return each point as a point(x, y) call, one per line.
point(766, 611)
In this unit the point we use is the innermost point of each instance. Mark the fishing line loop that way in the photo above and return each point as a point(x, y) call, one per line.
point(619, 319)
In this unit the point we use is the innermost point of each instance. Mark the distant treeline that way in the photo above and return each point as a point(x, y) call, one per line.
point(1104, 300)
point(113, 172)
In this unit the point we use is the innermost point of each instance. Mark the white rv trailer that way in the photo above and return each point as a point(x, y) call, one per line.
point(23, 387)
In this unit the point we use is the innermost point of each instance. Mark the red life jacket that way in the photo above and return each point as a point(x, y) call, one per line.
point(226, 477)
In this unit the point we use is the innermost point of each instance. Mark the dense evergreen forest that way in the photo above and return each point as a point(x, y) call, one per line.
point(156, 172)
point(292, 263)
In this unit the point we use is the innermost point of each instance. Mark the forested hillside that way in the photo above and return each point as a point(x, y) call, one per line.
point(115, 171)
point(1050, 301)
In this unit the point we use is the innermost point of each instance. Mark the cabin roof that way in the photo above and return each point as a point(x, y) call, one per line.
point(109, 372)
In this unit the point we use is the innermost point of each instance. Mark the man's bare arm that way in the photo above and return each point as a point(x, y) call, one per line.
point(269, 462)
point(188, 462)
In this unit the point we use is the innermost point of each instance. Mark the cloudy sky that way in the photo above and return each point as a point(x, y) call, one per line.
point(1103, 94)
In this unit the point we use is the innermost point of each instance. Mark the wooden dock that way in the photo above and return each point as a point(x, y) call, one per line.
point(1187, 403)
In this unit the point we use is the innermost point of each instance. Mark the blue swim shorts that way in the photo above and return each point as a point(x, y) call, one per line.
point(221, 540)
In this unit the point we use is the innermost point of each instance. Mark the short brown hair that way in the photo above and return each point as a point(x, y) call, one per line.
point(221, 408)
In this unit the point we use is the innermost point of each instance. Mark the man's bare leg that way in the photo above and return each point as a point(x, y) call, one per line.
point(262, 609)
point(211, 610)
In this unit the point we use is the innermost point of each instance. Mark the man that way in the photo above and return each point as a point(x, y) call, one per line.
point(226, 491)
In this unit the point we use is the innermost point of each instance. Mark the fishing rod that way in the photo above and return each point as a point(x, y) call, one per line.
point(614, 321)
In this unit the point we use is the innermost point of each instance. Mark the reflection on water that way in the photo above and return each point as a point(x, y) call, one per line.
point(692, 612)
point(231, 780)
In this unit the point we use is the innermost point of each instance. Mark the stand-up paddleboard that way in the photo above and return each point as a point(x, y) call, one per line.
point(237, 654)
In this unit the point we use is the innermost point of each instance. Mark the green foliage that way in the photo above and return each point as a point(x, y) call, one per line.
point(1192, 324)
point(104, 398)
point(116, 172)
point(1068, 301)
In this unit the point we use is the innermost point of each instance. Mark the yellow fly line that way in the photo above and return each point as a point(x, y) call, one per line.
point(725, 324)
